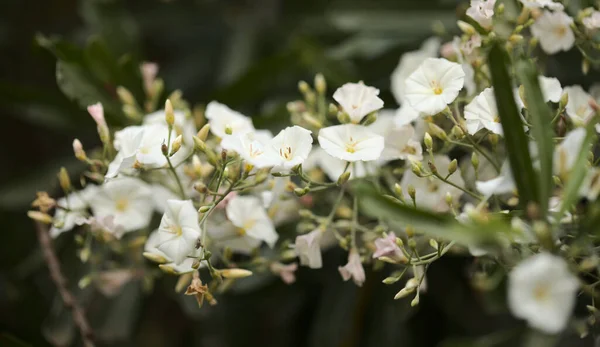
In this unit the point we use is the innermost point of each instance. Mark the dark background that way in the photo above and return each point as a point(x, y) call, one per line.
point(249, 54)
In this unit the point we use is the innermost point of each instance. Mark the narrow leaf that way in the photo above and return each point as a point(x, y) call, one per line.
point(514, 136)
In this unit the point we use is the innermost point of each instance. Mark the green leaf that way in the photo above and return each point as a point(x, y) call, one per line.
point(515, 140)
point(435, 224)
point(541, 121)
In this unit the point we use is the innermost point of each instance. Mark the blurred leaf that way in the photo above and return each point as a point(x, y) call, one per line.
point(541, 119)
point(58, 327)
point(517, 145)
point(7, 340)
point(435, 224)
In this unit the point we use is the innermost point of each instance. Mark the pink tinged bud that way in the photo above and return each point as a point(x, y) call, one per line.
point(353, 269)
point(286, 272)
point(149, 72)
point(447, 51)
point(226, 200)
point(97, 112)
point(387, 247)
point(308, 249)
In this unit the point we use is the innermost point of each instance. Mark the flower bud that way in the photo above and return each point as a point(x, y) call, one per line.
point(516, 38)
point(132, 112)
point(64, 180)
point(200, 187)
point(457, 132)
point(585, 66)
point(390, 280)
point(452, 166)
point(398, 190)
point(475, 160)
point(199, 144)
point(466, 27)
point(203, 133)
point(437, 131)
point(415, 301)
point(234, 273)
point(164, 149)
point(333, 110)
point(169, 113)
point(404, 292)
point(204, 209)
point(320, 84)
point(312, 121)
point(301, 191)
point(370, 118)
point(411, 192)
point(493, 139)
point(433, 243)
point(416, 168)
point(176, 145)
point(84, 282)
point(428, 141)
point(432, 166)
point(303, 87)
point(125, 96)
point(343, 117)
point(343, 178)
point(410, 232)
point(261, 176)
point(449, 199)
point(40, 217)
point(564, 100)
point(78, 150)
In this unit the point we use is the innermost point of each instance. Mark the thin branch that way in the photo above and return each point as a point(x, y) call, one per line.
point(61, 284)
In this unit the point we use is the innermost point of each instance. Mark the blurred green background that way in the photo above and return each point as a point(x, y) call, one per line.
point(249, 54)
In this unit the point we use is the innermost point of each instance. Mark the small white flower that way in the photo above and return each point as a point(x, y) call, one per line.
point(75, 210)
point(578, 108)
point(482, 112)
point(553, 29)
point(353, 269)
point(531, 4)
point(398, 141)
point(223, 119)
point(251, 147)
point(430, 191)
point(590, 188)
point(551, 90)
point(290, 147)
point(409, 62)
point(308, 249)
point(334, 167)
point(183, 126)
point(405, 115)
point(566, 153)
point(541, 290)
point(593, 21)
point(351, 142)
point(358, 100)
point(249, 216)
point(151, 251)
point(434, 85)
point(482, 12)
point(128, 200)
point(502, 184)
point(179, 230)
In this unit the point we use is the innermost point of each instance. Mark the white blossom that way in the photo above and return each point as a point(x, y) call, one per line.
point(290, 147)
point(398, 140)
point(73, 211)
point(183, 126)
point(567, 152)
point(551, 90)
point(251, 147)
point(554, 32)
point(358, 100)
point(249, 216)
point(127, 200)
point(502, 184)
point(409, 62)
point(430, 191)
point(541, 290)
point(152, 252)
point(593, 21)
point(482, 12)
point(531, 4)
point(333, 167)
point(222, 119)
point(578, 108)
point(434, 85)
point(405, 115)
point(308, 249)
point(482, 112)
point(351, 142)
point(353, 269)
point(179, 230)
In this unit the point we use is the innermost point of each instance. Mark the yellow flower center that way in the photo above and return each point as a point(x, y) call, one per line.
point(176, 229)
point(122, 204)
point(540, 292)
point(247, 225)
point(351, 145)
point(286, 152)
point(560, 30)
point(255, 152)
point(437, 89)
point(409, 150)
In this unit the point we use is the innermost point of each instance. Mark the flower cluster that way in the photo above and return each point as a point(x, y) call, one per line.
point(228, 192)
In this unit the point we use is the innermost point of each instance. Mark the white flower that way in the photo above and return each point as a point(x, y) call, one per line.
point(183, 126)
point(308, 249)
point(334, 167)
point(434, 85)
point(140, 146)
point(281, 205)
point(179, 230)
point(430, 191)
point(222, 119)
point(541, 4)
point(151, 251)
point(578, 108)
point(566, 153)
point(251, 147)
point(358, 100)
point(249, 216)
point(593, 21)
point(409, 62)
point(482, 12)
point(590, 188)
point(554, 31)
point(73, 211)
point(502, 184)
point(551, 90)
point(353, 269)
point(290, 147)
point(482, 112)
point(398, 141)
point(405, 115)
point(351, 142)
point(541, 290)
point(128, 200)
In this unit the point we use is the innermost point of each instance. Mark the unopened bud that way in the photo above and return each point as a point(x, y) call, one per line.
point(204, 209)
point(493, 139)
point(320, 84)
point(390, 280)
point(457, 132)
point(199, 144)
point(437, 131)
point(203, 133)
point(428, 141)
point(200, 187)
point(303, 87)
point(522, 95)
point(312, 121)
point(432, 167)
point(585, 66)
point(466, 27)
point(404, 292)
point(164, 149)
point(64, 180)
point(415, 301)
point(176, 145)
point(452, 166)
point(433, 243)
point(370, 118)
point(515, 38)
point(416, 168)
point(398, 190)
point(132, 112)
point(475, 160)
point(260, 177)
point(78, 150)
point(343, 117)
point(301, 191)
point(169, 113)
point(449, 199)
point(84, 282)
point(343, 178)
point(234, 273)
point(40, 217)
point(564, 100)
point(125, 96)
point(333, 110)
point(411, 192)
